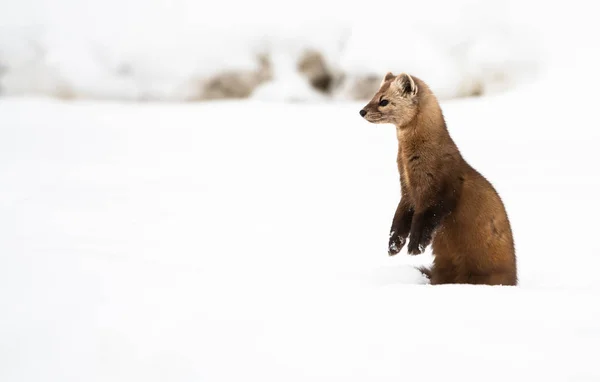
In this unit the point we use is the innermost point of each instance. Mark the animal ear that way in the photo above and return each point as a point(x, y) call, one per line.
point(387, 77)
point(406, 85)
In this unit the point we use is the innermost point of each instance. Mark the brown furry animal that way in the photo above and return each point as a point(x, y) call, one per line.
point(444, 200)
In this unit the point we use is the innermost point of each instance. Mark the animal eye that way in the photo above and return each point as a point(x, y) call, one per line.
point(383, 102)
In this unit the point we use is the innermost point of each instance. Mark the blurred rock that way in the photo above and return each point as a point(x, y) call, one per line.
point(232, 84)
point(312, 64)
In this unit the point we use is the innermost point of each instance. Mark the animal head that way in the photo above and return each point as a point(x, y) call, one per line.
point(395, 102)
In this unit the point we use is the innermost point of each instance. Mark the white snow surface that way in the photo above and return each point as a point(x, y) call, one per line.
point(165, 50)
point(246, 241)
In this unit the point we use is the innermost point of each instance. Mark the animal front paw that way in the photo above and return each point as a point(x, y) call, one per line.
point(418, 243)
point(395, 244)
point(416, 248)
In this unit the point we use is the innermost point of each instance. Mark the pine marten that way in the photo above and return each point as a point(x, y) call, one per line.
point(444, 201)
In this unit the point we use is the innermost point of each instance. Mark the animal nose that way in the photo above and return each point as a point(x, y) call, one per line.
point(363, 113)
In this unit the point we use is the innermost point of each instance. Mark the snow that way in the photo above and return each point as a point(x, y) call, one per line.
point(157, 50)
point(246, 240)
point(287, 84)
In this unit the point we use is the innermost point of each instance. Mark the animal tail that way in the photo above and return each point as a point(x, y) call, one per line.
point(425, 271)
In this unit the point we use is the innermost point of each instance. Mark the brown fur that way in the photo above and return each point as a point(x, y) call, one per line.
point(444, 200)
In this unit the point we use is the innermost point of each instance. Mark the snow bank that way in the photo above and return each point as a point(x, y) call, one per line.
point(136, 50)
point(247, 241)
